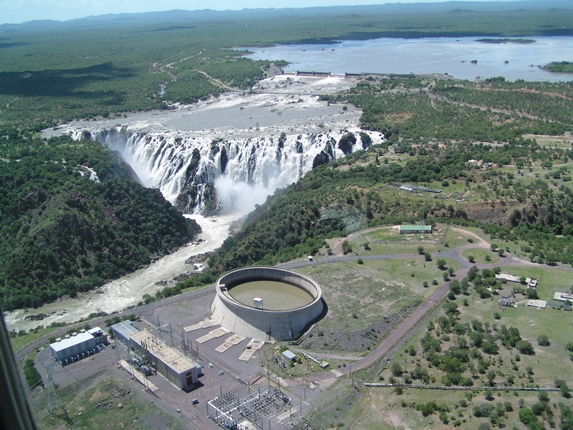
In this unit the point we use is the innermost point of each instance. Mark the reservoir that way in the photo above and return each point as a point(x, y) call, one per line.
point(453, 56)
point(276, 295)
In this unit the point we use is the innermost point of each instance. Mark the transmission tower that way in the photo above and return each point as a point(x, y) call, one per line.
point(55, 404)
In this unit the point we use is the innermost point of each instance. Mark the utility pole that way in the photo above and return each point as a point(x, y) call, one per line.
point(55, 405)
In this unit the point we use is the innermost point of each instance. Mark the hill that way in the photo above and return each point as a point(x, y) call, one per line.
point(73, 216)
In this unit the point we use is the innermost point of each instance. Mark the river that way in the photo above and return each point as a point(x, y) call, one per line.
point(127, 291)
point(453, 56)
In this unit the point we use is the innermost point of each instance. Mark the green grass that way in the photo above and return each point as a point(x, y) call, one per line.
point(399, 271)
point(551, 279)
point(387, 240)
point(349, 288)
point(93, 404)
point(457, 238)
point(21, 341)
point(480, 255)
point(548, 364)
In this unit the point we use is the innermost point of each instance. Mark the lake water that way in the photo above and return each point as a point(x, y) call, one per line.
point(431, 55)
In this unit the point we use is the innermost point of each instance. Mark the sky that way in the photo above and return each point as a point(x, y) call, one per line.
point(17, 11)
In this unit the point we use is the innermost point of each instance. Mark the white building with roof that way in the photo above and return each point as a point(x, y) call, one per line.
point(79, 345)
point(122, 332)
point(172, 364)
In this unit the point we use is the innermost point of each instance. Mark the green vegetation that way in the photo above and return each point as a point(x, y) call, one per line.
point(100, 400)
point(507, 40)
point(469, 346)
point(70, 71)
point(31, 374)
point(62, 233)
point(559, 67)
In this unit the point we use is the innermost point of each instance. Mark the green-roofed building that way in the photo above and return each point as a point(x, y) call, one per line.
point(413, 229)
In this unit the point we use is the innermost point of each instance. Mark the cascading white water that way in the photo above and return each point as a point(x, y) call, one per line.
point(228, 154)
point(244, 171)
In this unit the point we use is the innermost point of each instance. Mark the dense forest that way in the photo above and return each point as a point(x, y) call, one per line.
point(74, 216)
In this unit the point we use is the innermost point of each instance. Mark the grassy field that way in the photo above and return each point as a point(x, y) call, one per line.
point(551, 279)
point(397, 412)
point(481, 256)
point(21, 341)
point(549, 363)
point(352, 289)
point(564, 141)
point(103, 402)
point(387, 240)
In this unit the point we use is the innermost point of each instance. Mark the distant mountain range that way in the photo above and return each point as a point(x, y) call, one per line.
point(208, 14)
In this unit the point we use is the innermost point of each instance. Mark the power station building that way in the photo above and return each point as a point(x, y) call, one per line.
point(122, 331)
point(169, 362)
point(78, 345)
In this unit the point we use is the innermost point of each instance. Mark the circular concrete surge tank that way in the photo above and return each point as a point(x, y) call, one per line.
point(266, 303)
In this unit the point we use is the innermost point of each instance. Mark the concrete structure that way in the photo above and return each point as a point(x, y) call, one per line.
point(411, 229)
point(555, 305)
point(263, 323)
point(122, 332)
point(506, 301)
point(290, 356)
point(530, 282)
point(563, 297)
point(172, 364)
point(539, 304)
point(78, 346)
point(508, 278)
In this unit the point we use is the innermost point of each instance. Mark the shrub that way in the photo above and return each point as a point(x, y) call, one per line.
point(525, 347)
point(543, 340)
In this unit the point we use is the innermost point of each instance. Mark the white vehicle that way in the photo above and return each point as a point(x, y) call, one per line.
point(310, 258)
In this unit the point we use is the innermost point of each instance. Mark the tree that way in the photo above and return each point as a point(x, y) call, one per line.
point(543, 340)
point(427, 256)
point(532, 294)
point(527, 417)
point(420, 250)
point(471, 259)
point(562, 385)
point(441, 264)
point(493, 246)
point(396, 369)
point(525, 347)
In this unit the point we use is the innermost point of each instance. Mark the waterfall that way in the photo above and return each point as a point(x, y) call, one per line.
point(206, 175)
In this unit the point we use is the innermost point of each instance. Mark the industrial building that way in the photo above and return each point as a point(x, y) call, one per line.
point(412, 229)
point(172, 364)
point(78, 345)
point(506, 301)
point(122, 332)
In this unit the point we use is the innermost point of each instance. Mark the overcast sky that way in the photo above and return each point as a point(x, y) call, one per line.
point(17, 11)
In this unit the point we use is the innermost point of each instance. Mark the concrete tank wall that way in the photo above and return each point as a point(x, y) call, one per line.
point(259, 323)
